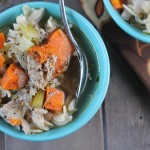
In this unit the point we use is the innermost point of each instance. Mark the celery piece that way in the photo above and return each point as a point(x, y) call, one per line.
point(38, 99)
point(30, 33)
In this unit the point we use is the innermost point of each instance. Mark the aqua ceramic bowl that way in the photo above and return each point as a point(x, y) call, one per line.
point(99, 70)
point(124, 25)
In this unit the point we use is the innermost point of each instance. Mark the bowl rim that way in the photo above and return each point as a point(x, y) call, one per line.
point(124, 25)
point(100, 91)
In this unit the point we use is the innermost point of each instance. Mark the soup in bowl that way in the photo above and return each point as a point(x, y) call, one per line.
point(40, 72)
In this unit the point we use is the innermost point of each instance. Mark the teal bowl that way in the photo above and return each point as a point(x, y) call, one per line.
point(92, 44)
point(124, 25)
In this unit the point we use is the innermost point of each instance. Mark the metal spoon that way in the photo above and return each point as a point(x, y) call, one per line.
point(81, 56)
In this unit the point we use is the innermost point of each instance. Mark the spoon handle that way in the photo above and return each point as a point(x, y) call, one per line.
point(80, 54)
point(66, 25)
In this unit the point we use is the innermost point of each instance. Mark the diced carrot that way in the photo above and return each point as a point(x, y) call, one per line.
point(41, 53)
point(2, 40)
point(15, 122)
point(2, 66)
point(117, 4)
point(14, 78)
point(63, 49)
point(54, 99)
point(2, 60)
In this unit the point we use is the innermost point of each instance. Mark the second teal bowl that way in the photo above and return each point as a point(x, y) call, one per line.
point(124, 25)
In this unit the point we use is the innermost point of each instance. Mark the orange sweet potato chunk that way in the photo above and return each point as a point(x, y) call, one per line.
point(41, 53)
point(2, 40)
point(15, 122)
point(14, 78)
point(54, 99)
point(117, 4)
point(63, 49)
point(2, 60)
